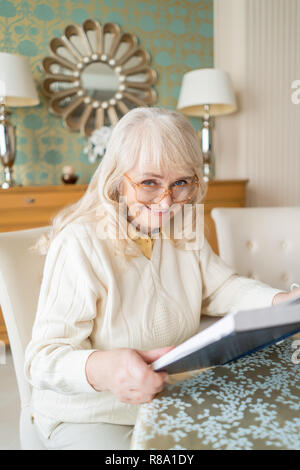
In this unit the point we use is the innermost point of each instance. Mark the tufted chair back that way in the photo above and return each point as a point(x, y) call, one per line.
point(261, 242)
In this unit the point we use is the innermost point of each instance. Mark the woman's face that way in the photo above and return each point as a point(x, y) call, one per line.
point(148, 217)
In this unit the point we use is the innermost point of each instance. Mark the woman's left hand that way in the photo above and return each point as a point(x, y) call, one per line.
point(283, 296)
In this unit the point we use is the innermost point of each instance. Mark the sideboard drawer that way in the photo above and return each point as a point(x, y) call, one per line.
point(20, 219)
point(27, 200)
point(35, 206)
point(226, 190)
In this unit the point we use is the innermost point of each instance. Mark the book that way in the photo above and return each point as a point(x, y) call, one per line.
point(233, 336)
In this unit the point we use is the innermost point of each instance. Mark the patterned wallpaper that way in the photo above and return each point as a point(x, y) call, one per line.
point(178, 34)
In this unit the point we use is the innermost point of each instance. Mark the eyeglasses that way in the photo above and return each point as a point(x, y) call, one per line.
point(154, 193)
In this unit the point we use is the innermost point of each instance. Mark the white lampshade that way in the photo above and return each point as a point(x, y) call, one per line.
point(16, 81)
point(206, 86)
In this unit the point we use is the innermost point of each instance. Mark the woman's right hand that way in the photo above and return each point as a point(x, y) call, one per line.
point(125, 372)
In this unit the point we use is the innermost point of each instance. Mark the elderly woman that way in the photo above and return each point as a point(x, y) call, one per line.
point(121, 286)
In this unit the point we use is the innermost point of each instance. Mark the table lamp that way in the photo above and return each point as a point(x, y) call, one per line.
point(17, 89)
point(206, 93)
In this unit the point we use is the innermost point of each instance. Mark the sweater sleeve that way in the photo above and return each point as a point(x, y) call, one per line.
point(225, 291)
point(56, 355)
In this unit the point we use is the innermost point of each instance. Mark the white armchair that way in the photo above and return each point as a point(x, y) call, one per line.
point(20, 279)
point(261, 242)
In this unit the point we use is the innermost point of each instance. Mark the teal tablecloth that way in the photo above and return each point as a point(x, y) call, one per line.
point(252, 403)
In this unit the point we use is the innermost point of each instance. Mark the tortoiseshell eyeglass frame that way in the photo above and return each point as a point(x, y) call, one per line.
point(135, 185)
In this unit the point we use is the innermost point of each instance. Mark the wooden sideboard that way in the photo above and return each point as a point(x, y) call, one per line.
point(33, 206)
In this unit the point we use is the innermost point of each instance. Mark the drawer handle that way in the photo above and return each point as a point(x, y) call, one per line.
point(29, 200)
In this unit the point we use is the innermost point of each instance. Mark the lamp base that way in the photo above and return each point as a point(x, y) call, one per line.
point(7, 146)
point(207, 146)
point(209, 170)
point(9, 181)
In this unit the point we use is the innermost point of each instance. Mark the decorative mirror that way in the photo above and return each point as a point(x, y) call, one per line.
point(95, 75)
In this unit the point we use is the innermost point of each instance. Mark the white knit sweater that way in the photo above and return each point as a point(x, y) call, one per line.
point(88, 301)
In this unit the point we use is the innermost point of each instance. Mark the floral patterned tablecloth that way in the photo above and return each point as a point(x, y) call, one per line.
point(251, 403)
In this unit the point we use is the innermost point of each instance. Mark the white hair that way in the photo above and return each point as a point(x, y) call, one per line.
point(145, 134)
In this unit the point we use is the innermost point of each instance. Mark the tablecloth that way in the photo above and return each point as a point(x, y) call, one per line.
point(251, 403)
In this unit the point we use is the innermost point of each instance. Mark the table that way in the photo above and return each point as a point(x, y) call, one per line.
point(250, 404)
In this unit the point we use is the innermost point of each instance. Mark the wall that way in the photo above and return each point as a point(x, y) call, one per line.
point(177, 33)
point(256, 42)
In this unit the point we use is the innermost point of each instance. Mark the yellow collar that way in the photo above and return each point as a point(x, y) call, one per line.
point(143, 240)
point(134, 234)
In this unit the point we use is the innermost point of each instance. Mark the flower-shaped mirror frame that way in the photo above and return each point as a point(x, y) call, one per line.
point(87, 101)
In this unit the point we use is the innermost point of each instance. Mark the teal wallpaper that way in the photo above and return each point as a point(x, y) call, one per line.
point(178, 34)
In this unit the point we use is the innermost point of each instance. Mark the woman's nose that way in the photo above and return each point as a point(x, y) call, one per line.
point(166, 202)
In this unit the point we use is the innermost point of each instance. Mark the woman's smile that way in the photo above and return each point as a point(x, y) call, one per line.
point(158, 212)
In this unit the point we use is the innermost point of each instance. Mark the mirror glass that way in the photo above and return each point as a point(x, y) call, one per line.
point(99, 81)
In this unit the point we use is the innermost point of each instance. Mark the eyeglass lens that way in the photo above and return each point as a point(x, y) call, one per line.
point(154, 194)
